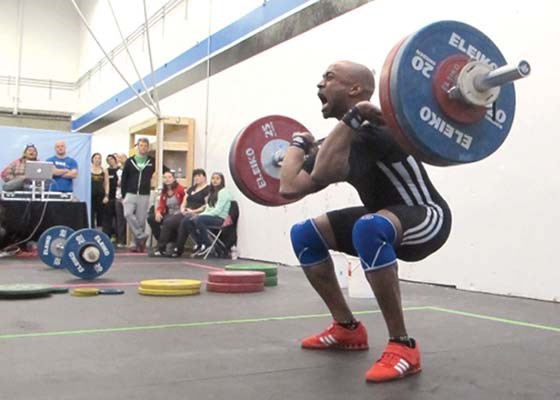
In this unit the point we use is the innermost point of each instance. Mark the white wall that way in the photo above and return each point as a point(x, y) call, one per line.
point(504, 208)
point(49, 52)
point(183, 28)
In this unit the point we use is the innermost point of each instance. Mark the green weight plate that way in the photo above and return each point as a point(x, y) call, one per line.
point(271, 281)
point(269, 270)
point(25, 290)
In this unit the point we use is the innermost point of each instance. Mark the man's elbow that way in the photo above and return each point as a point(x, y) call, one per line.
point(321, 178)
point(289, 192)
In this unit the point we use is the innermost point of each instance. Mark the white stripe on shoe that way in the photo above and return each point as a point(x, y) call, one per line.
point(328, 340)
point(402, 366)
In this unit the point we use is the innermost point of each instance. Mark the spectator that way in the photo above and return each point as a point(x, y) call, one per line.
point(167, 217)
point(120, 220)
point(99, 193)
point(14, 173)
point(121, 159)
point(109, 214)
point(65, 169)
point(135, 186)
point(194, 201)
point(213, 216)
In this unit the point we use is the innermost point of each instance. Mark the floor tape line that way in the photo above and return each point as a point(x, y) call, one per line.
point(279, 318)
point(191, 264)
point(496, 319)
point(188, 324)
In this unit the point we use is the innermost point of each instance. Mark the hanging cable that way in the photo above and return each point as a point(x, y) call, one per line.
point(155, 90)
point(125, 45)
point(83, 18)
point(208, 50)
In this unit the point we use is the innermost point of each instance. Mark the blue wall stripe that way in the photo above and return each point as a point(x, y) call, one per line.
point(218, 41)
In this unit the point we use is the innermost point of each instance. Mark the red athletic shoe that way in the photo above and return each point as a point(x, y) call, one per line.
point(397, 361)
point(339, 338)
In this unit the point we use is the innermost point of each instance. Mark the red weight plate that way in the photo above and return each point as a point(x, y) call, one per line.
point(238, 182)
point(236, 277)
point(386, 104)
point(251, 158)
point(445, 78)
point(234, 287)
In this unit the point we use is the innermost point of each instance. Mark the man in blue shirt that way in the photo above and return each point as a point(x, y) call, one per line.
point(65, 169)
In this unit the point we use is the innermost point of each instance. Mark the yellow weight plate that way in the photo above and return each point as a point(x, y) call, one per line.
point(170, 284)
point(167, 292)
point(85, 292)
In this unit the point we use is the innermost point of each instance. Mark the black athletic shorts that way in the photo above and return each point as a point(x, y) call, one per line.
point(425, 228)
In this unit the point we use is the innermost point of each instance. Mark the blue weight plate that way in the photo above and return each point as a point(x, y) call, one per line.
point(111, 291)
point(51, 245)
point(81, 241)
point(440, 139)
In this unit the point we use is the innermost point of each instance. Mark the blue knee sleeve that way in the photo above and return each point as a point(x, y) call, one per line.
point(308, 244)
point(373, 237)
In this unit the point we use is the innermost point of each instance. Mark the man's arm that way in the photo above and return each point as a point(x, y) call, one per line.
point(59, 171)
point(294, 180)
point(332, 164)
point(72, 172)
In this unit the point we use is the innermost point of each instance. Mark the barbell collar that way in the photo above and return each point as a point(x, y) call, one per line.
point(91, 254)
point(501, 76)
point(278, 157)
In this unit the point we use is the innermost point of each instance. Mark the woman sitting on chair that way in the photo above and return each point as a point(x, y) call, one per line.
point(213, 216)
point(167, 216)
point(194, 201)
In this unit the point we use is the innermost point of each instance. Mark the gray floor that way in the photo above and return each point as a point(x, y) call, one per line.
point(246, 346)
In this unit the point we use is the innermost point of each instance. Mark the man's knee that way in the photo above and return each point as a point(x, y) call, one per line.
point(308, 243)
point(374, 237)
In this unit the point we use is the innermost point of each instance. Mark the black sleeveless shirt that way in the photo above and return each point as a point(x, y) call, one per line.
point(383, 174)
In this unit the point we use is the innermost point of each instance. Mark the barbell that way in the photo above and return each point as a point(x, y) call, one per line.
point(86, 253)
point(446, 93)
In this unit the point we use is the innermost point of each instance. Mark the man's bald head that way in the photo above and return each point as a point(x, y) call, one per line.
point(343, 85)
point(60, 148)
point(358, 76)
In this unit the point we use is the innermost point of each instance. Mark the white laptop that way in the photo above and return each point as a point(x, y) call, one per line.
point(38, 170)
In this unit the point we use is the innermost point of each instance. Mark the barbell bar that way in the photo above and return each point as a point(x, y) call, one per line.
point(446, 93)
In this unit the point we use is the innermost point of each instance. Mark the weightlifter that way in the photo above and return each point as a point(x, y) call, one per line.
point(403, 217)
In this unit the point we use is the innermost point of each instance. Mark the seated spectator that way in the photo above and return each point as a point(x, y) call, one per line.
point(216, 211)
point(14, 173)
point(167, 217)
point(195, 197)
point(65, 169)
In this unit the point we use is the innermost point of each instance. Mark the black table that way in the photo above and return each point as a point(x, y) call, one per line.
point(21, 218)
